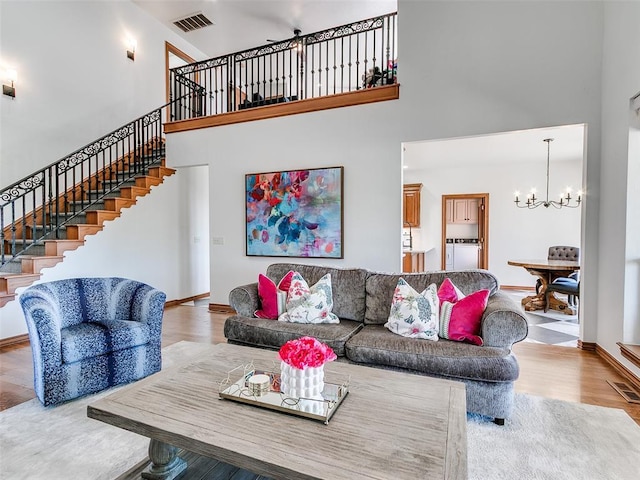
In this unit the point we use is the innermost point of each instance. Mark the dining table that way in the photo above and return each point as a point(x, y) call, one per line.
point(547, 271)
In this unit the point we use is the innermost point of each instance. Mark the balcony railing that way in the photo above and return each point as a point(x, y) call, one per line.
point(338, 60)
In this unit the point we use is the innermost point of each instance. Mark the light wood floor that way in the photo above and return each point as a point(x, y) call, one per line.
point(545, 370)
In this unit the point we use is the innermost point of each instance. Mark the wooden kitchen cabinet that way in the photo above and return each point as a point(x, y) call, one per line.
point(413, 262)
point(411, 204)
point(449, 210)
point(462, 210)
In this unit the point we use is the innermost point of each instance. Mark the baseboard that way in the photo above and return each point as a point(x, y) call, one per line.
point(587, 346)
point(17, 340)
point(630, 352)
point(221, 308)
point(517, 287)
point(619, 367)
point(173, 303)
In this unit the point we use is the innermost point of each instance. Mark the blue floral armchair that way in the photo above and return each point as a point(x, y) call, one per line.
point(88, 334)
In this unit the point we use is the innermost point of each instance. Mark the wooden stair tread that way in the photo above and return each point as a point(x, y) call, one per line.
point(79, 231)
point(34, 264)
point(116, 203)
point(98, 217)
point(147, 181)
point(133, 191)
point(6, 298)
point(58, 247)
point(161, 171)
point(10, 281)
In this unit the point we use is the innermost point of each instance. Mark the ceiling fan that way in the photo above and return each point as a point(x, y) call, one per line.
point(296, 35)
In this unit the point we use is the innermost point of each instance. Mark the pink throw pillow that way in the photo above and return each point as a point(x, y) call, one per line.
point(448, 292)
point(460, 316)
point(273, 298)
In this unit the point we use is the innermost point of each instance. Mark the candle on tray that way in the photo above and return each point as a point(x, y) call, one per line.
point(259, 384)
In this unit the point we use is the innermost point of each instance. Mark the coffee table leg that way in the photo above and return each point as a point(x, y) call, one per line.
point(165, 463)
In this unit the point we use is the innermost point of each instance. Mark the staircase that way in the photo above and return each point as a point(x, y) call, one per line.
point(55, 215)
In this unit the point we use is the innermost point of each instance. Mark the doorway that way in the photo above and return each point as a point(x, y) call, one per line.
point(465, 215)
point(174, 57)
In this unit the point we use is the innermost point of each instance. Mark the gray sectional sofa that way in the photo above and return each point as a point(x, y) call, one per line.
point(362, 301)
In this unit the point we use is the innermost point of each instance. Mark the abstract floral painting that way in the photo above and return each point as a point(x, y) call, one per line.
point(295, 213)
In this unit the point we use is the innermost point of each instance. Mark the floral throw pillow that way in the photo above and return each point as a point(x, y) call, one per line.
point(309, 304)
point(414, 314)
point(460, 315)
point(273, 298)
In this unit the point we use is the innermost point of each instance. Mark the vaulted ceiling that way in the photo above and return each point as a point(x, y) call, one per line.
point(241, 24)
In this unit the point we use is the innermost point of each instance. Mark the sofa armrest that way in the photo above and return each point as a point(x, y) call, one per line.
point(245, 300)
point(503, 322)
point(44, 322)
point(147, 306)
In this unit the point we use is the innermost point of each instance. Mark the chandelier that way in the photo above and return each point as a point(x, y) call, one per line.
point(535, 202)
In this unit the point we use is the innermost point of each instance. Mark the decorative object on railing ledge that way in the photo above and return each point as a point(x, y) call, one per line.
point(337, 60)
point(565, 198)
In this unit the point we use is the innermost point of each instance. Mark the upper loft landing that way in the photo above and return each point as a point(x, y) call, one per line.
point(333, 68)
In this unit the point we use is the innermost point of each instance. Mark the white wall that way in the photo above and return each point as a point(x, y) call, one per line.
point(465, 68)
point(618, 252)
point(286, 143)
point(513, 233)
point(75, 82)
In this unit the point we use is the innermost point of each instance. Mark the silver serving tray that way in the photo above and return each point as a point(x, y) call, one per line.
point(318, 409)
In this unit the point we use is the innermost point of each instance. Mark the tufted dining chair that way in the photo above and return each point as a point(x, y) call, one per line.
point(88, 334)
point(567, 285)
point(560, 252)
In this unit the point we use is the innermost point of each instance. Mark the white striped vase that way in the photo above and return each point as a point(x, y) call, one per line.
point(301, 383)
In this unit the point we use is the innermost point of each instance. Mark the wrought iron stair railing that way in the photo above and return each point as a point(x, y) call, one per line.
point(42, 205)
point(337, 60)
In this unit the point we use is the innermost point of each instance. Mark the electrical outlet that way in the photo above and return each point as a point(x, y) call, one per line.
point(217, 240)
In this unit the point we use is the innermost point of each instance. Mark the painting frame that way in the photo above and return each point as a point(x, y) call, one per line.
point(295, 213)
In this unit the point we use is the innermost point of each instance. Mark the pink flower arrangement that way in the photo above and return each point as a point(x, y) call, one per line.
point(306, 352)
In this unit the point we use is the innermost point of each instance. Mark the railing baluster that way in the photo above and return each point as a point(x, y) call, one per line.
point(2, 235)
point(24, 219)
point(13, 229)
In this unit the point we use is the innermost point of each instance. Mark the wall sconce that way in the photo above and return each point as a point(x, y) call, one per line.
point(9, 76)
point(131, 49)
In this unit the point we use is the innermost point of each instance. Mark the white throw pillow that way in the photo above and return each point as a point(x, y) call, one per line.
point(414, 314)
point(309, 304)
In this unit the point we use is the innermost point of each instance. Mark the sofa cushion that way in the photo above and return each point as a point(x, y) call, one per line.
point(414, 314)
point(307, 304)
point(261, 333)
point(380, 288)
point(376, 345)
point(348, 286)
point(273, 298)
point(91, 339)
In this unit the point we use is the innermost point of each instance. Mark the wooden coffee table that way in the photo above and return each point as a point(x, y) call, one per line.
point(391, 425)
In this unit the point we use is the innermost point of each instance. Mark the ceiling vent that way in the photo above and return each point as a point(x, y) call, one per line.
point(192, 22)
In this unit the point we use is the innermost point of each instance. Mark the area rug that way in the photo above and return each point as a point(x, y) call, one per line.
point(544, 439)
